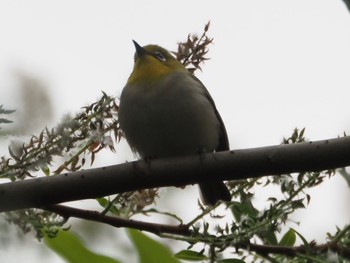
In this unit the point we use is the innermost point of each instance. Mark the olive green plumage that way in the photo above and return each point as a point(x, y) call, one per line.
point(165, 112)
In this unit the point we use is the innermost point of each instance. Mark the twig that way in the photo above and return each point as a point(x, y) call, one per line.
point(293, 251)
point(95, 216)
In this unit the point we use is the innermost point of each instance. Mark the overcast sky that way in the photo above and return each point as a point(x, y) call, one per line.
point(275, 65)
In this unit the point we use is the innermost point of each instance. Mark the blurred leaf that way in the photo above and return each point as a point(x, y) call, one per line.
point(271, 238)
point(306, 244)
point(46, 170)
point(288, 239)
point(105, 203)
point(3, 111)
point(308, 198)
point(345, 175)
point(150, 251)
point(2, 120)
point(190, 255)
point(72, 249)
point(239, 209)
point(298, 204)
point(347, 3)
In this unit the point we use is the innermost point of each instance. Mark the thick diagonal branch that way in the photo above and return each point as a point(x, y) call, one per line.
point(230, 165)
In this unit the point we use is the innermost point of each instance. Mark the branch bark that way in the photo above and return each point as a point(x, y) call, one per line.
point(230, 165)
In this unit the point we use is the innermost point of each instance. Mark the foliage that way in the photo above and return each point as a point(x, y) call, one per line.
point(87, 133)
point(72, 249)
point(252, 226)
point(192, 52)
point(145, 245)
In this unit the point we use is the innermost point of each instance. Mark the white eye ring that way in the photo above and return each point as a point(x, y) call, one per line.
point(160, 56)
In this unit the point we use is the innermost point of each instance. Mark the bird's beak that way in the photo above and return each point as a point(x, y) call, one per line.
point(139, 50)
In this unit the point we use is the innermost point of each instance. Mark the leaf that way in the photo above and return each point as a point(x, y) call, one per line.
point(298, 204)
point(2, 120)
point(288, 239)
point(308, 198)
point(105, 203)
point(3, 111)
point(150, 251)
point(240, 209)
point(16, 150)
point(72, 249)
point(345, 175)
point(46, 170)
point(190, 255)
point(236, 211)
point(271, 238)
point(306, 244)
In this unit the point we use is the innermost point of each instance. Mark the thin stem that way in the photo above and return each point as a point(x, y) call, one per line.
point(118, 222)
point(200, 216)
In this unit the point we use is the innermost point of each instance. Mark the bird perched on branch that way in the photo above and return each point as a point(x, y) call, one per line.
point(165, 111)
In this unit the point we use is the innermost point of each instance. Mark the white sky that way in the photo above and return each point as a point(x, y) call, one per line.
point(275, 65)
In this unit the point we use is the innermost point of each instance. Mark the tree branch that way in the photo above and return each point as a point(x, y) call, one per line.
point(293, 251)
point(183, 230)
point(115, 221)
point(230, 165)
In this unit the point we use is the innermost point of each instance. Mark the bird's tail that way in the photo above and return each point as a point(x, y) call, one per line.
point(213, 192)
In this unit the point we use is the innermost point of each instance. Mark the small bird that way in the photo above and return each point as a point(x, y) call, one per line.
point(165, 111)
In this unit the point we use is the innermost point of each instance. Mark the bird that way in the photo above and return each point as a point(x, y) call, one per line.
point(165, 111)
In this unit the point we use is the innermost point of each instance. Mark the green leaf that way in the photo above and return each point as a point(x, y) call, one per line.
point(46, 170)
point(288, 239)
point(247, 209)
point(104, 202)
point(150, 251)
point(190, 255)
point(345, 175)
point(298, 204)
point(306, 244)
point(271, 238)
point(72, 249)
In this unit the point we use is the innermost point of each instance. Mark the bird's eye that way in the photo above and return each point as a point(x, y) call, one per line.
point(160, 56)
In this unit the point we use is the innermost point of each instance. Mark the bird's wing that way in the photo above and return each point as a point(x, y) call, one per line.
point(223, 139)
